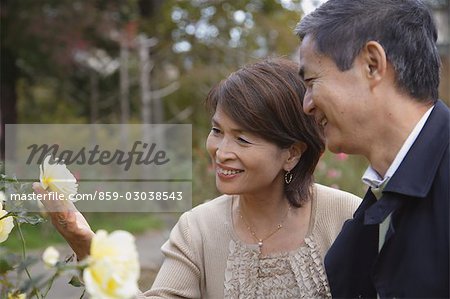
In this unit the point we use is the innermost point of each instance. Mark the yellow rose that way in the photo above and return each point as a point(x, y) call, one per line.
point(56, 177)
point(16, 295)
point(113, 266)
point(50, 256)
point(6, 224)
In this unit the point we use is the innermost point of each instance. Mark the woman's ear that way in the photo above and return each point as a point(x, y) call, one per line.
point(295, 153)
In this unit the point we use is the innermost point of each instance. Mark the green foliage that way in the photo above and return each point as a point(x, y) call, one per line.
point(43, 235)
point(75, 281)
point(49, 37)
point(15, 277)
point(11, 260)
point(37, 237)
point(7, 261)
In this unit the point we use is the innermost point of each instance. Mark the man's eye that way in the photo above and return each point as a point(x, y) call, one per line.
point(215, 131)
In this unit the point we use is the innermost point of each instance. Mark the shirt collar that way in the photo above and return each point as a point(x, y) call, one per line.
point(371, 176)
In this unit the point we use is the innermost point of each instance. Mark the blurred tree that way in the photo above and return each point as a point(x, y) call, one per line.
point(210, 39)
point(52, 53)
point(201, 42)
point(77, 61)
point(60, 58)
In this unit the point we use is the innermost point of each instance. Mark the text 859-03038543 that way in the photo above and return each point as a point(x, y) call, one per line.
point(131, 195)
point(150, 195)
point(102, 195)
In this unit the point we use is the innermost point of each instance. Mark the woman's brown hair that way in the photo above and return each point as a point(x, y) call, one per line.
point(265, 98)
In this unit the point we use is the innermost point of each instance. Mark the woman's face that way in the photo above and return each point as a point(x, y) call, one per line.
point(244, 163)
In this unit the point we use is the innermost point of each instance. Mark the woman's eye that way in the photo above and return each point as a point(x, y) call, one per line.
point(243, 140)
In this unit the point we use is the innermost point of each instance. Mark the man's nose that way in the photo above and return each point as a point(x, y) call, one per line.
point(308, 105)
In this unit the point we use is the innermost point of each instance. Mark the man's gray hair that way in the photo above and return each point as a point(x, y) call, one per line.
point(404, 28)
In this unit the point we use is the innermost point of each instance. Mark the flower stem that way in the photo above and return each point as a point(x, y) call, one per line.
point(50, 283)
point(6, 215)
point(24, 255)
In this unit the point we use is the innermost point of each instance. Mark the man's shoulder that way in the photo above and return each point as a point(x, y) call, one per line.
point(427, 159)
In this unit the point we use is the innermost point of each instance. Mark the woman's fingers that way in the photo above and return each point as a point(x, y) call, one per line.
point(52, 202)
point(69, 222)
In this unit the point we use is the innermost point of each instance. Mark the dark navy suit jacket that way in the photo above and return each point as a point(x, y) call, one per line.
point(414, 261)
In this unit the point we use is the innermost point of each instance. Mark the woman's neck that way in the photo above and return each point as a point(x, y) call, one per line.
point(263, 211)
point(271, 222)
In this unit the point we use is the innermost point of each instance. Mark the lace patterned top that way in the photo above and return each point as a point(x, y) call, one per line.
point(295, 274)
point(204, 258)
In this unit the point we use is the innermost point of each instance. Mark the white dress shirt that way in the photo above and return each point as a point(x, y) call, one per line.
point(371, 176)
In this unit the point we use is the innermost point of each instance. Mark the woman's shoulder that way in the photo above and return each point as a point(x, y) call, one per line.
point(334, 199)
point(333, 208)
point(219, 204)
point(213, 211)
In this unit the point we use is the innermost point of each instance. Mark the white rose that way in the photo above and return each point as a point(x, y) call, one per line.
point(56, 177)
point(113, 266)
point(50, 256)
point(6, 224)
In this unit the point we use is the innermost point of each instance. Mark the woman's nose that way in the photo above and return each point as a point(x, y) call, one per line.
point(224, 151)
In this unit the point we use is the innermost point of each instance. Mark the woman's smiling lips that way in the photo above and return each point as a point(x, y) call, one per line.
point(227, 172)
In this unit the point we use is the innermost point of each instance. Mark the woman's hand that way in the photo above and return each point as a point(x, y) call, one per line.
point(69, 222)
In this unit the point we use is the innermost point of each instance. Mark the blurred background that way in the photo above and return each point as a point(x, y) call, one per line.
point(150, 61)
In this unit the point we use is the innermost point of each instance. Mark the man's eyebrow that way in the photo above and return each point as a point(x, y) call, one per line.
point(301, 72)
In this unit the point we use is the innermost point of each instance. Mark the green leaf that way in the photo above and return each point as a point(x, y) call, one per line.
point(75, 281)
point(7, 262)
point(33, 219)
point(5, 266)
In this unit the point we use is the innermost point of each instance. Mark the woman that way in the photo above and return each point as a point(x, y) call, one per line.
point(266, 238)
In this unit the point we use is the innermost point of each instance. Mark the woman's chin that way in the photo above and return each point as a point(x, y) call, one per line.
point(225, 189)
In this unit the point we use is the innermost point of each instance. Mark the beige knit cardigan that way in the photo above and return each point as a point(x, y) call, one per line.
point(198, 247)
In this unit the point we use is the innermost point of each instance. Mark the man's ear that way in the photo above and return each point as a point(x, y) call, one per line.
point(375, 62)
point(295, 153)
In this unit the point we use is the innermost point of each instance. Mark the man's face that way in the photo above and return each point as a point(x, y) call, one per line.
point(338, 100)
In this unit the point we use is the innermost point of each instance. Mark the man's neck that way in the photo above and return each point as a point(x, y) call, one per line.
point(395, 127)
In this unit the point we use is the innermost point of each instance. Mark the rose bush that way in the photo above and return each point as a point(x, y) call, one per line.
point(111, 270)
point(6, 222)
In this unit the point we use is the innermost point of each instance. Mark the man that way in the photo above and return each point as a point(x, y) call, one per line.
point(372, 73)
